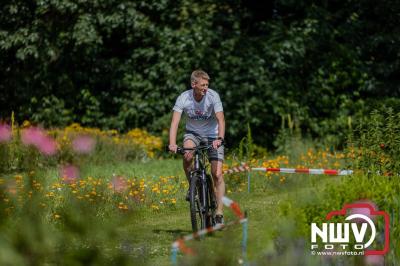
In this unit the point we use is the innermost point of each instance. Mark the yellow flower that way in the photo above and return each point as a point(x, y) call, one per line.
point(26, 124)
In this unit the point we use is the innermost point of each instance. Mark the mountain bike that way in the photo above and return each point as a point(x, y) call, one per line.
point(202, 198)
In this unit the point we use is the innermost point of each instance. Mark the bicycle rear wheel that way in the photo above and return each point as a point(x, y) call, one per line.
point(197, 212)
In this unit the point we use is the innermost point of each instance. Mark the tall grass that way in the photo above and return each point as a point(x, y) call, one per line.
point(373, 153)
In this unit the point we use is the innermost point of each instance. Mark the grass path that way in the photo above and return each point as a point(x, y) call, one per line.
point(160, 229)
point(148, 235)
point(151, 234)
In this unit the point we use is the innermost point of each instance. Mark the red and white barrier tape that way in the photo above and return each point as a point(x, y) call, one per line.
point(237, 169)
point(234, 207)
point(180, 243)
point(305, 171)
point(244, 168)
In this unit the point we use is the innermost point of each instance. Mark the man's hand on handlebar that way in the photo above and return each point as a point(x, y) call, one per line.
point(173, 148)
point(217, 143)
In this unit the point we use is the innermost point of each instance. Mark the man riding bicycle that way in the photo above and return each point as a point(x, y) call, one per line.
point(205, 124)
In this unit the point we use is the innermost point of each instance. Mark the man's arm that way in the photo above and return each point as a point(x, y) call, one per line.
point(173, 130)
point(221, 124)
point(221, 129)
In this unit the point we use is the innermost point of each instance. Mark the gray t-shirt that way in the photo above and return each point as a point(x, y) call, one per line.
point(200, 115)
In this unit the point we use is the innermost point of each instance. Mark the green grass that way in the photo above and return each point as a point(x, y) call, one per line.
point(150, 234)
point(150, 168)
point(145, 235)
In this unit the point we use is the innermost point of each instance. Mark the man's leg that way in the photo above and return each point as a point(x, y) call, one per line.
point(188, 157)
point(219, 183)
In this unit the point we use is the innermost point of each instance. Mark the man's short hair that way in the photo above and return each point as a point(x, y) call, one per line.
point(197, 74)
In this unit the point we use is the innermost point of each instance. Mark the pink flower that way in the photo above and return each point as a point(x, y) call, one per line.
point(5, 133)
point(38, 138)
point(32, 136)
point(374, 260)
point(119, 184)
point(69, 173)
point(48, 146)
point(83, 144)
point(364, 211)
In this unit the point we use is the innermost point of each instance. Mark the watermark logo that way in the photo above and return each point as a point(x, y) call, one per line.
point(356, 232)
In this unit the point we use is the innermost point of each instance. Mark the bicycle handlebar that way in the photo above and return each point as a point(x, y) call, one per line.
point(182, 150)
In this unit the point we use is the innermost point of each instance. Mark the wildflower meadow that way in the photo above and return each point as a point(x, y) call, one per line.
point(78, 196)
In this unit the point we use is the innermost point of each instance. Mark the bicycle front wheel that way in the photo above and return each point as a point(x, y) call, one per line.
point(197, 211)
point(212, 202)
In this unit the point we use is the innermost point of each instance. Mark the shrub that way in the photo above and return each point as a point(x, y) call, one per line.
point(375, 144)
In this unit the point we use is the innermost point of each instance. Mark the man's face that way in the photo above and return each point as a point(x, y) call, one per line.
point(200, 86)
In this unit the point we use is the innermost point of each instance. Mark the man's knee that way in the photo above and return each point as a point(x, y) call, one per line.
point(188, 158)
point(218, 178)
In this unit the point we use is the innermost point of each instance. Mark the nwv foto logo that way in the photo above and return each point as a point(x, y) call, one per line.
point(358, 228)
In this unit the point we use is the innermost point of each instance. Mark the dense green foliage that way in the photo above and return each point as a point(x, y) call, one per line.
point(376, 145)
point(121, 64)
